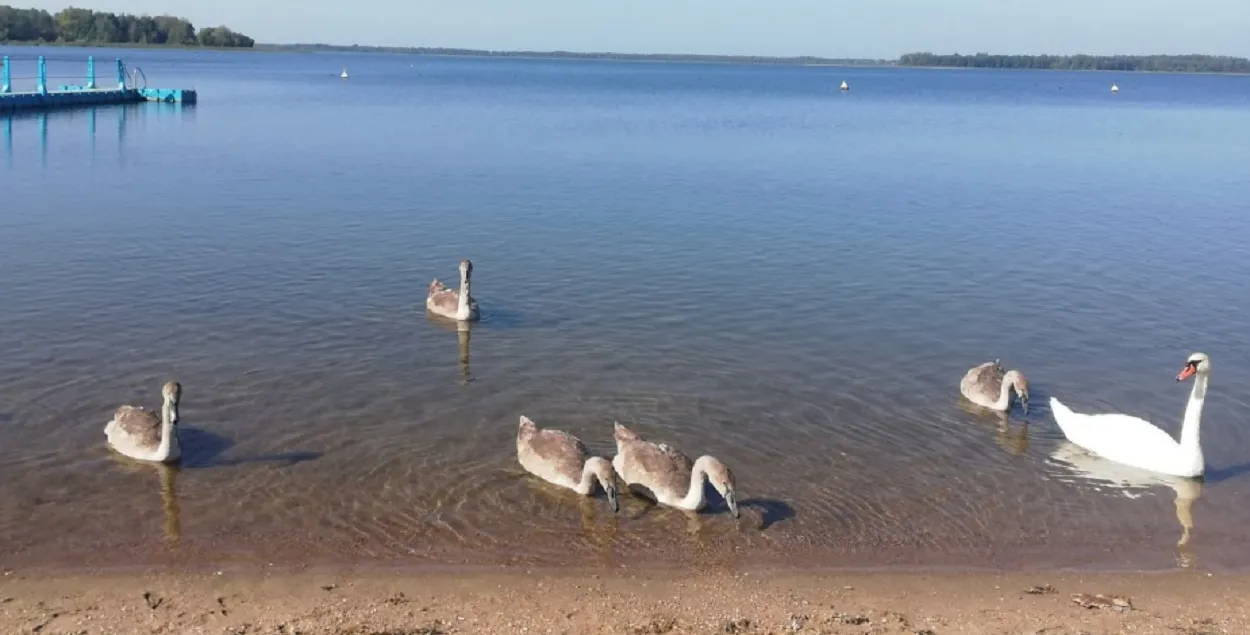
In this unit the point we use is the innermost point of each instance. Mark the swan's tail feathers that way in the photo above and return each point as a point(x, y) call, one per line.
point(1057, 407)
point(621, 433)
point(1063, 414)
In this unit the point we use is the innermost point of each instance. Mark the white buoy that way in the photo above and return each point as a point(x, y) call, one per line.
point(1114, 88)
point(845, 86)
point(344, 73)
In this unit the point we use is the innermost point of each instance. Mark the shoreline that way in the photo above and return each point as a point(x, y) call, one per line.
point(379, 566)
point(249, 559)
point(369, 568)
point(633, 603)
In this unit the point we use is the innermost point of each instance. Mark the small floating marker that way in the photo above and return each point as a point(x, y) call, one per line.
point(344, 73)
point(845, 86)
point(1114, 88)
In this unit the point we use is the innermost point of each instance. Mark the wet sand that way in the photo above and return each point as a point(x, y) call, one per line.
point(620, 601)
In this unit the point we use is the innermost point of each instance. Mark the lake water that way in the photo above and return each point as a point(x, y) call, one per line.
point(741, 261)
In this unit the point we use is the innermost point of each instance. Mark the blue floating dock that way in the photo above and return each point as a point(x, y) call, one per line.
point(89, 94)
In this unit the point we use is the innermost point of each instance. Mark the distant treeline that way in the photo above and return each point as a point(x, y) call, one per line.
point(1156, 63)
point(652, 57)
point(1159, 63)
point(84, 26)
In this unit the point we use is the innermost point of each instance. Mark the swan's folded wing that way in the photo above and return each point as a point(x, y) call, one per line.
point(141, 426)
point(1120, 437)
point(985, 380)
point(659, 467)
point(444, 298)
point(560, 451)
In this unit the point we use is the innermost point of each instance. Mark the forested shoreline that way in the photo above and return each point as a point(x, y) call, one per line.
point(1128, 63)
point(574, 55)
point(87, 27)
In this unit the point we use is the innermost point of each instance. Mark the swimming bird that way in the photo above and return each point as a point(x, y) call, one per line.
point(670, 475)
point(137, 432)
point(1139, 443)
point(455, 304)
point(989, 387)
point(561, 458)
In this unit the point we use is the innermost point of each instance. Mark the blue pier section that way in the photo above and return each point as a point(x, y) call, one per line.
point(87, 94)
point(168, 95)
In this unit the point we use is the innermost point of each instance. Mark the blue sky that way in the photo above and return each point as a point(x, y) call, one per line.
point(832, 28)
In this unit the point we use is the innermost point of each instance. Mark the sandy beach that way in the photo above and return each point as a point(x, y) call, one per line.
point(622, 602)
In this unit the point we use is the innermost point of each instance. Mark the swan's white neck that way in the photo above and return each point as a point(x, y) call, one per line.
point(694, 496)
point(167, 432)
point(1193, 416)
point(589, 478)
point(462, 309)
point(1004, 393)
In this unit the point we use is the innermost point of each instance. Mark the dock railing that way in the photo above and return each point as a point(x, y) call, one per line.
point(40, 82)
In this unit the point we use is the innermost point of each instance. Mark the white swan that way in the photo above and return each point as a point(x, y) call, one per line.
point(562, 459)
point(989, 387)
point(452, 303)
point(1139, 443)
point(139, 434)
point(670, 475)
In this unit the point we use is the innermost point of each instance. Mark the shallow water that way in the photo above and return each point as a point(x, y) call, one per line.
point(740, 261)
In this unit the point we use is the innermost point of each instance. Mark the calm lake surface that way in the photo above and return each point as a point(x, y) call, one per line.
point(740, 261)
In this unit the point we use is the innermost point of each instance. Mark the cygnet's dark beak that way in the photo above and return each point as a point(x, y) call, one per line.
point(612, 500)
point(732, 501)
point(1024, 403)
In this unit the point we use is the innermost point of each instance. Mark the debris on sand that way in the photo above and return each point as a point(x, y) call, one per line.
point(797, 622)
point(1115, 602)
point(1204, 626)
point(424, 630)
point(1040, 589)
point(657, 626)
point(851, 619)
point(152, 600)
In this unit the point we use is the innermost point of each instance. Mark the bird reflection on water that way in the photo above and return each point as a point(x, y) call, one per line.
point(1012, 439)
point(1132, 482)
point(464, 333)
point(167, 475)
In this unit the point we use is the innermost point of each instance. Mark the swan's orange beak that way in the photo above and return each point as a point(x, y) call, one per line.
point(1187, 372)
